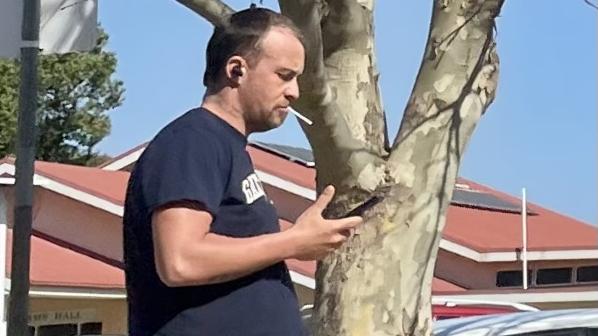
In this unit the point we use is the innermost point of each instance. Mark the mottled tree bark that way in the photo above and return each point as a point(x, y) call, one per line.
point(380, 282)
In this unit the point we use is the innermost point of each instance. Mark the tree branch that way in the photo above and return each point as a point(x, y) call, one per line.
point(215, 11)
point(349, 56)
point(339, 90)
point(455, 85)
point(591, 4)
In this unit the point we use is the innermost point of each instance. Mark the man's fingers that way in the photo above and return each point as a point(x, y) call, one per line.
point(348, 223)
point(325, 198)
point(348, 232)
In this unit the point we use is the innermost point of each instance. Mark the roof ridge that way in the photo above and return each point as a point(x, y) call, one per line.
point(122, 155)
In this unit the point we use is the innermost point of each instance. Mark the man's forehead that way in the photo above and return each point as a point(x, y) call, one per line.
point(279, 36)
point(282, 45)
point(281, 31)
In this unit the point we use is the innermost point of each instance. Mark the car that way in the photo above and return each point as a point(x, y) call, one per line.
point(448, 308)
point(451, 308)
point(561, 322)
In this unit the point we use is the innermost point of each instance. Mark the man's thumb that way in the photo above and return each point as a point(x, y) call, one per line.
point(325, 198)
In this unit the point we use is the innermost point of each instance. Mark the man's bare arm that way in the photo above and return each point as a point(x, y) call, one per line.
point(186, 253)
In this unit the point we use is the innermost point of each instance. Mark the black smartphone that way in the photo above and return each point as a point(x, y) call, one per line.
point(360, 209)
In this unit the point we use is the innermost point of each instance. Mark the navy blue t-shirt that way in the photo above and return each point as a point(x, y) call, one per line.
point(201, 158)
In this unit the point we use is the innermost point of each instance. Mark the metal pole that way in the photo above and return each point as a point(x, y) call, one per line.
point(3, 225)
point(524, 235)
point(18, 307)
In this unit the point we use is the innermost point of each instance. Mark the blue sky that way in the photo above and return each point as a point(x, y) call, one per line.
point(540, 133)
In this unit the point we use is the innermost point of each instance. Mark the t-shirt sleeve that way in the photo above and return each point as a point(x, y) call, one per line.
point(185, 165)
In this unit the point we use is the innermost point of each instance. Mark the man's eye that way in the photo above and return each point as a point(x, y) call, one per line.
point(286, 76)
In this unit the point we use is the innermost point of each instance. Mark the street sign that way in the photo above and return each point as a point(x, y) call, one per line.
point(65, 26)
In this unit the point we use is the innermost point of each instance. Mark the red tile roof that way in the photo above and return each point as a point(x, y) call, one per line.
point(492, 231)
point(61, 266)
point(481, 230)
point(108, 185)
point(283, 168)
point(478, 229)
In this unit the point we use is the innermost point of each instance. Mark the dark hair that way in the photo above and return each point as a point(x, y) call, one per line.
point(241, 35)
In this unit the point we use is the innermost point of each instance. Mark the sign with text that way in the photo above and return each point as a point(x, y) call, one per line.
point(62, 317)
point(65, 26)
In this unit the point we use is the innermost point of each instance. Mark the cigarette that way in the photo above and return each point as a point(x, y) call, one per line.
point(300, 116)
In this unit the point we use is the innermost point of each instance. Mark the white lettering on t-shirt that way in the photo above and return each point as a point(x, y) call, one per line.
point(252, 188)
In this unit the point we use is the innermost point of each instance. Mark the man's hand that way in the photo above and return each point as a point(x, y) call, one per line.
point(315, 236)
point(187, 254)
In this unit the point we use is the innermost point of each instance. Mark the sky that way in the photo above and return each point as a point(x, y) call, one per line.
point(539, 134)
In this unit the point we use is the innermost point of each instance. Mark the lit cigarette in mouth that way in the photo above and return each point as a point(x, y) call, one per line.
point(300, 116)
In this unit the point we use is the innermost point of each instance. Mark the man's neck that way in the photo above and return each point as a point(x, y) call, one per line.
point(222, 106)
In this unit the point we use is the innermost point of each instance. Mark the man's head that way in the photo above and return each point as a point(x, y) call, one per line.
point(258, 54)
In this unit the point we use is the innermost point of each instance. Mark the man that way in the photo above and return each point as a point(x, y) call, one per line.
point(204, 254)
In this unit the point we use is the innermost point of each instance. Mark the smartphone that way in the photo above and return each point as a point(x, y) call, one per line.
point(360, 209)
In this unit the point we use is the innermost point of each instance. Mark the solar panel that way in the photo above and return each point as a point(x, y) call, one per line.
point(484, 200)
point(300, 155)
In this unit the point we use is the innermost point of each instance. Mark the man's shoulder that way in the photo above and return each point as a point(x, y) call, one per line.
point(189, 132)
point(198, 126)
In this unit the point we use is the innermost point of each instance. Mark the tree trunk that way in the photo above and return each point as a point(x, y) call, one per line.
point(380, 283)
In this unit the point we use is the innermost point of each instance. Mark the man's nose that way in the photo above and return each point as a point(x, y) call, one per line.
point(292, 90)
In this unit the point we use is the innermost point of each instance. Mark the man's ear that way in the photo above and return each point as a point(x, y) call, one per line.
point(235, 69)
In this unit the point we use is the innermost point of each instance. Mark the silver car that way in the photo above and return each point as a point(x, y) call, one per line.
point(564, 322)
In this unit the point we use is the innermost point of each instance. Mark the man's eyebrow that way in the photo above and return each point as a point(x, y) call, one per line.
point(289, 71)
point(293, 73)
